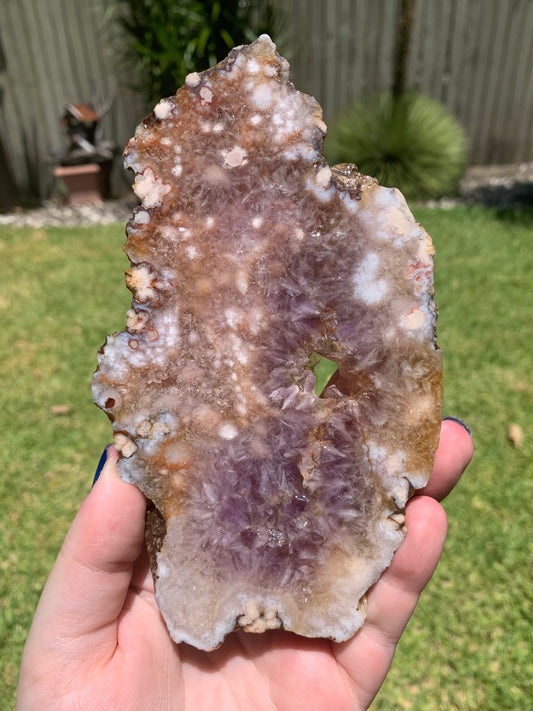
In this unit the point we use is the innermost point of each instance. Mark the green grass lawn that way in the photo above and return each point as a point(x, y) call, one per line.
point(469, 645)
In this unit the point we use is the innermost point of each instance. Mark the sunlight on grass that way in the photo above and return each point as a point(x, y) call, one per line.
point(62, 293)
point(469, 645)
point(323, 369)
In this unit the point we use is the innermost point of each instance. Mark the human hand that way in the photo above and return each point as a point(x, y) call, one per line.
point(98, 642)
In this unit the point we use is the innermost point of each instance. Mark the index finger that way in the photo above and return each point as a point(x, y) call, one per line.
point(453, 455)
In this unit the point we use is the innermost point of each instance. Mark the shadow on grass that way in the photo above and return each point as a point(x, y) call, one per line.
point(517, 216)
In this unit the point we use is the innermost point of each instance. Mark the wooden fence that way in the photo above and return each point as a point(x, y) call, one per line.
point(475, 56)
point(53, 53)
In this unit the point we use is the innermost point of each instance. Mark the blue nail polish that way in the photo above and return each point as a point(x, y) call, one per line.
point(459, 422)
point(103, 460)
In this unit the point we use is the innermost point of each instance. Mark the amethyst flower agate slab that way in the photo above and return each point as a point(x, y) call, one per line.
point(272, 506)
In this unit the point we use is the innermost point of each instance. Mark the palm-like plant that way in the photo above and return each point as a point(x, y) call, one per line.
point(411, 142)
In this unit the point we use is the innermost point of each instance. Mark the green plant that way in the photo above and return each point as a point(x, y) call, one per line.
point(170, 38)
point(323, 368)
point(410, 142)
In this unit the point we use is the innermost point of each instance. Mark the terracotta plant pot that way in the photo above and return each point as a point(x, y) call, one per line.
point(85, 183)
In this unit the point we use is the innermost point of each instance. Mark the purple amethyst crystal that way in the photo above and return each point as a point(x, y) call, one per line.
point(272, 506)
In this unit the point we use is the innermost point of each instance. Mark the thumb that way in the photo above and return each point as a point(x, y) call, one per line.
point(87, 586)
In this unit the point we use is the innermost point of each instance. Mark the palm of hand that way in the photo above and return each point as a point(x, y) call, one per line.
point(98, 640)
point(275, 670)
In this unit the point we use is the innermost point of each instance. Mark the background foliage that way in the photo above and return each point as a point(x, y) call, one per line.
point(168, 39)
point(411, 142)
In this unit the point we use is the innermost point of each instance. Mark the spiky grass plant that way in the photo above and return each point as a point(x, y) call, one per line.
point(167, 39)
point(411, 142)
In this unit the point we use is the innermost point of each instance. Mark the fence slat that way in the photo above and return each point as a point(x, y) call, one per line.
point(505, 122)
point(461, 50)
point(524, 93)
point(343, 56)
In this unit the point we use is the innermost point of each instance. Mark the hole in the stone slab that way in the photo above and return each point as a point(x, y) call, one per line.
point(323, 368)
point(109, 403)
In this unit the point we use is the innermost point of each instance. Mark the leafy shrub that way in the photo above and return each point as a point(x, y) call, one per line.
point(410, 142)
point(170, 38)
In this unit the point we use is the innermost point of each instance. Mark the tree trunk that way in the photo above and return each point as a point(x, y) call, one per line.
point(402, 45)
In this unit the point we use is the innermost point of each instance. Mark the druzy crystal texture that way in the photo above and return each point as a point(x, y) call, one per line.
point(273, 504)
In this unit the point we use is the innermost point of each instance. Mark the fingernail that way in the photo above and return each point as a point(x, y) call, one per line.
point(103, 460)
point(459, 422)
